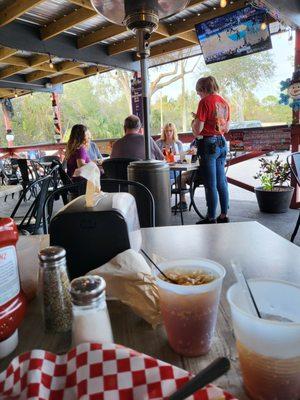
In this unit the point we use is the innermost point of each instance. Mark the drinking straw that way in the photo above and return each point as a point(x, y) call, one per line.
point(240, 277)
point(157, 267)
point(213, 371)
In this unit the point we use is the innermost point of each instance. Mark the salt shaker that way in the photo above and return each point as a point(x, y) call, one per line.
point(54, 288)
point(91, 321)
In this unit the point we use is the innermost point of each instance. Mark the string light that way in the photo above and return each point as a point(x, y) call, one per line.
point(97, 73)
point(263, 26)
point(223, 3)
point(16, 94)
point(51, 65)
point(290, 36)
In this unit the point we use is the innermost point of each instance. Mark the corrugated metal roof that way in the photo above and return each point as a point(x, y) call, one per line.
point(48, 11)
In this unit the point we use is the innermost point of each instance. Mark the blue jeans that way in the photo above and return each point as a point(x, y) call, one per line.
point(212, 151)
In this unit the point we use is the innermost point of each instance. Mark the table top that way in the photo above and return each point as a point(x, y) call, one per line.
point(183, 166)
point(9, 189)
point(259, 251)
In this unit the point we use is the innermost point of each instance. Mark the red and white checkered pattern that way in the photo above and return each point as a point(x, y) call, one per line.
point(95, 372)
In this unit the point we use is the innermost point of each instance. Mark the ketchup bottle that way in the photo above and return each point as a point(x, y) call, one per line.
point(12, 298)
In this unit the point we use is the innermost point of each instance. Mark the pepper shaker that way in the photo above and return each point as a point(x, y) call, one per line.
point(54, 287)
point(91, 322)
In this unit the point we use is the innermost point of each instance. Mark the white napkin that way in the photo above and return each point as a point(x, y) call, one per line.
point(91, 173)
point(129, 279)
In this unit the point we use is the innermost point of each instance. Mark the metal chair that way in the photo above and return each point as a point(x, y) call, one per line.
point(116, 168)
point(145, 203)
point(293, 161)
point(32, 221)
point(49, 158)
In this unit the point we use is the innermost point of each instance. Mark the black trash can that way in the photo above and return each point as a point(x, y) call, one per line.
point(155, 176)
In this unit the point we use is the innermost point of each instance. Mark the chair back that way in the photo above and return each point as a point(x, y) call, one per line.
point(40, 187)
point(67, 193)
point(143, 197)
point(49, 158)
point(293, 161)
point(116, 168)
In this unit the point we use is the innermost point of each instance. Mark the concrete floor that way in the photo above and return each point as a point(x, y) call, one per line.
point(243, 205)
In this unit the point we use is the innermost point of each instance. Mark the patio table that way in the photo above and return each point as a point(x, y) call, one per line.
point(6, 190)
point(261, 254)
point(184, 167)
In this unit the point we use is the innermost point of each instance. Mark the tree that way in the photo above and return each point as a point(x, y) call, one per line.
point(239, 76)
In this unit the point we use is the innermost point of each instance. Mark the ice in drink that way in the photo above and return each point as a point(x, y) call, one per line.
point(189, 308)
point(268, 347)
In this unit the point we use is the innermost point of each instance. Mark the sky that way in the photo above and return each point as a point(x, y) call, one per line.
point(282, 53)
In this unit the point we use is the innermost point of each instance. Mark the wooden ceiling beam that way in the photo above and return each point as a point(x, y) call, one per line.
point(17, 60)
point(11, 70)
point(36, 75)
point(99, 35)
point(74, 18)
point(189, 23)
point(67, 65)
point(39, 59)
point(16, 9)
point(63, 79)
point(83, 3)
point(189, 37)
point(130, 44)
point(93, 70)
point(6, 52)
point(169, 47)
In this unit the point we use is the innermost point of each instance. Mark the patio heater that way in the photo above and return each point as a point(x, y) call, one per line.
point(142, 17)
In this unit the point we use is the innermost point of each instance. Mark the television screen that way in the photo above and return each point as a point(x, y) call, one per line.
point(234, 35)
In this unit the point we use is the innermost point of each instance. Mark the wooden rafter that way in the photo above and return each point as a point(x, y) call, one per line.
point(17, 61)
point(83, 3)
point(36, 75)
point(6, 52)
point(63, 79)
point(39, 59)
point(11, 70)
point(130, 44)
point(99, 35)
point(15, 9)
point(169, 47)
point(74, 18)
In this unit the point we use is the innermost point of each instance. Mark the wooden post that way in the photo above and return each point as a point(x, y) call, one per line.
point(8, 126)
point(295, 130)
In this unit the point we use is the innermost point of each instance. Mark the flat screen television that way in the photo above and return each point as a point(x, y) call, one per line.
point(233, 35)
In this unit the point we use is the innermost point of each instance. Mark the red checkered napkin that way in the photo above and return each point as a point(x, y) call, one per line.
point(95, 372)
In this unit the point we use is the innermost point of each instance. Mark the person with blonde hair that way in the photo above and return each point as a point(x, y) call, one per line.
point(209, 125)
point(169, 139)
point(76, 150)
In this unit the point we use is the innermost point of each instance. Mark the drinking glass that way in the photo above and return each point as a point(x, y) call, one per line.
point(268, 347)
point(190, 312)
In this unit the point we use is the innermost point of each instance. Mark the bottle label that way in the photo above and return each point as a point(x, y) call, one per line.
point(9, 274)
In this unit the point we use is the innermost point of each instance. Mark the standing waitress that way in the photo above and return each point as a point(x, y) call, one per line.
point(209, 125)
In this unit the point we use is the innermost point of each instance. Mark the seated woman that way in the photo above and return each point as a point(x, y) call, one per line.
point(76, 150)
point(169, 139)
point(93, 150)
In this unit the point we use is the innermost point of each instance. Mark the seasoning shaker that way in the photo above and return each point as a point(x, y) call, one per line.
point(54, 289)
point(91, 322)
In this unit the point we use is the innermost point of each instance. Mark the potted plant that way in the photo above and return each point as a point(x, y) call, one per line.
point(274, 195)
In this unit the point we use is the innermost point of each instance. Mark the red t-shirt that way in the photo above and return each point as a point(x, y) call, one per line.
point(214, 111)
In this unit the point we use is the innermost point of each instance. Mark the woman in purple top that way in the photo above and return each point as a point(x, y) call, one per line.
point(76, 151)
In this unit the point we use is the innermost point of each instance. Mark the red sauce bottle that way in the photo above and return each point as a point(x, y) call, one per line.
point(12, 298)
